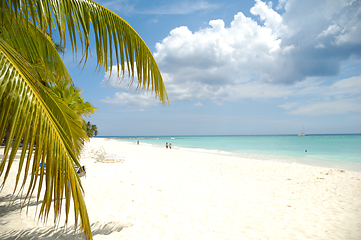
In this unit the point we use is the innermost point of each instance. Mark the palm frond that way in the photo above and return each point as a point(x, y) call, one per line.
point(52, 134)
point(112, 35)
point(35, 46)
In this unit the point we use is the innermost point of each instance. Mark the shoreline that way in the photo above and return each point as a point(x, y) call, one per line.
point(158, 193)
point(315, 161)
point(295, 134)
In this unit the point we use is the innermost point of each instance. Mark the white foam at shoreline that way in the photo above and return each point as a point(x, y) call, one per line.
point(308, 160)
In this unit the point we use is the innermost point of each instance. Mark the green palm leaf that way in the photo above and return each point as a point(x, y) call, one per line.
point(115, 39)
point(36, 47)
point(30, 112)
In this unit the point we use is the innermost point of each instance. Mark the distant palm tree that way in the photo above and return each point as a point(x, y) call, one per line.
point(30, 111)
point(91, 129)
point(95, 130)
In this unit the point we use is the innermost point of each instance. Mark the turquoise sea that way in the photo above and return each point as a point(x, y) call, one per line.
point(334, 151)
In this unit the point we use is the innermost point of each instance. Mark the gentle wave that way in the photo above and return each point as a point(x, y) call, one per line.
point(204, 150)
point(331, 150)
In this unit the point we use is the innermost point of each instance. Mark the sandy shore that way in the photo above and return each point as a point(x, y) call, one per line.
point(176, 194)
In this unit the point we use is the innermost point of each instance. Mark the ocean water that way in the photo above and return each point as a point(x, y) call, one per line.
point(334, 151)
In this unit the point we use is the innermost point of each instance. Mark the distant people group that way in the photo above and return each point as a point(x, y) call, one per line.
point(166, 145)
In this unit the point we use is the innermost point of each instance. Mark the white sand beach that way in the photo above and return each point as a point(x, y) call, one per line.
point(168, 194)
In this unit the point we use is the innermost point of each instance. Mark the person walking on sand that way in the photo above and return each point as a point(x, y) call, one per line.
point(138, 142)
point(166, 145)
point(170, 145)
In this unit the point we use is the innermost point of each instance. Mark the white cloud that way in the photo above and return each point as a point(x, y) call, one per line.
point(349, 86)
point(123, 82)
point(125, 7)
point(342, 97)
point(320, 45)
point(122, 6)
point(218, 55)
point(289, 105)
point(129, 92)
point(336, 21)
point(271, 19)
point(218, 62)
point(184, 7)
point(277, 59)
point(281, 4)
point(131, 100)
point(331, 30)
point(341, 106)
point(198, 104)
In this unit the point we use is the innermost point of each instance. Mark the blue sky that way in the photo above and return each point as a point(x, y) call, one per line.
point(235, 68)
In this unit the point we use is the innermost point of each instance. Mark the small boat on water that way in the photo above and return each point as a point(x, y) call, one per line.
point(302, 134)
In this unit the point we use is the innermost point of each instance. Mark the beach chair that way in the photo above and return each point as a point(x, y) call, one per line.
point(86, 152)
point(107, 154)
point(98, 152)
point(105, 159)
point(108, 158)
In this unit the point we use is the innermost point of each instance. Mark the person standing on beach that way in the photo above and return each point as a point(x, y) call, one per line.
point(166, 145)
point(170, 145)
point(138, 142)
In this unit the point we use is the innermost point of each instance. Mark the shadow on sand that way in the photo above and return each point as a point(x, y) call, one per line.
point(11, 204)
point(60, 233)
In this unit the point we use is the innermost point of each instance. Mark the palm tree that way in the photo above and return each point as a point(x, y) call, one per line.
point(91, 129)
point(95, 129)
point(71, 96)
point(30, 111)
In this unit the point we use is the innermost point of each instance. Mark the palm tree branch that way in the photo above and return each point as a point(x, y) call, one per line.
point(37, 47)
point(75, 18)
point(53, 122)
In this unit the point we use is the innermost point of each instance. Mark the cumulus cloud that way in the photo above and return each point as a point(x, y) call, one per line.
point(220, 55)
point(305, 41)
point(269, 17)
point(208, 63)
point(268, 56)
